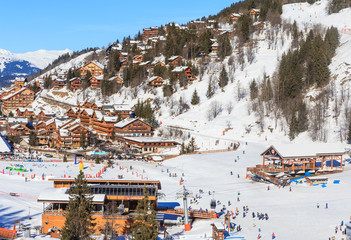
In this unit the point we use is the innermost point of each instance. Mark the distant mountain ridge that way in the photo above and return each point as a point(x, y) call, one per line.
point(25, 64)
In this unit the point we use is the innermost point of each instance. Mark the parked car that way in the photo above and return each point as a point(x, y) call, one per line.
point(48, 155)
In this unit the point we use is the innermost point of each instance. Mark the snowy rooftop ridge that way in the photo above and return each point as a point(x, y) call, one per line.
point(309, 150)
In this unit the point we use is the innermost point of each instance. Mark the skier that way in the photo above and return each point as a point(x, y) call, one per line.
point(317, 205)
point(273, 236)
point(326, 205)
point(268, 188)
point(238, 176)
point(290, 189)
point(259, 236)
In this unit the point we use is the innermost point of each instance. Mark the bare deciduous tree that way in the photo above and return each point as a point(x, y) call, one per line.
point(214, 110)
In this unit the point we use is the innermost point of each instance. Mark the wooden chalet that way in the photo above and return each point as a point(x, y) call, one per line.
point(254, 12)
point(175, 61)
point(157, 63)
point(155, 81)
point(70, 134)
point(59, 83)
point(19, 99)
point(19, 129)
point(138, 58)
point(287, 161)
point(150, 32)
point(40, 125)
point(95, 68)
point(85, 117)
point(76, 83)
point(235, 16)
point(117, 79)
point(20, 82)
point(118, 110)
point(125, 194)
point(133, 127)
point(20, 112)
point(73, 112)
point(147, 145)
point(183, 69)
point(95, 81)
point(44, 114)
point(102, 124)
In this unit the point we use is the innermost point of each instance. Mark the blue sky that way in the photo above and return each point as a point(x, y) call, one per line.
point(57, 25)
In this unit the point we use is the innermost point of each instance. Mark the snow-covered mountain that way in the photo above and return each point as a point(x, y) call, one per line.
point(25, 64)
point(238, 116)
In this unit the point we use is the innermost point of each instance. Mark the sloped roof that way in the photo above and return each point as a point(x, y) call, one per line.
point(180, 69)
point(15, 93)
point(4, 145)
point(173, 58)
point(307, 150)
point(125, 122)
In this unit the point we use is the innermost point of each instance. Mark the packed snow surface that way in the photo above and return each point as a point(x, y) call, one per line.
point(292, 214)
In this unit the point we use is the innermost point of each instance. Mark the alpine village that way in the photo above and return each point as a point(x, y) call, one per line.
point(231, 126)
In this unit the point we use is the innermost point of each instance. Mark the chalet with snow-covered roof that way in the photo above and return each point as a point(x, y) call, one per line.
point(155, 81)
point(147, 145)
point(19, 129)
point(150, 32)
point(133, 127)
point(59, 83)
point(45, 114)
point(20, 82)
point(183, 69)
point(254, 12)
point(102, 124)
point(157, 63)
point(95, 68)
point(69, 136)
point(138, 58)
point(73, 112)
point(75, 83)
point(40, 125)
point(20, 99)
point(118, 110)
point(85, 116)
point(235, 16)
point(95, 81)
point(175, 61)
point(116, 79)
point(291, 160)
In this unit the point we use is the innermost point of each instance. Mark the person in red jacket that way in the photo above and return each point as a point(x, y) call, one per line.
point(273, 236)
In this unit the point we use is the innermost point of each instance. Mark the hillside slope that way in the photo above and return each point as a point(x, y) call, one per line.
point(238, 117)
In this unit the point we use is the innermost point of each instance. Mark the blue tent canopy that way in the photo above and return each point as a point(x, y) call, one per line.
point(167, 205)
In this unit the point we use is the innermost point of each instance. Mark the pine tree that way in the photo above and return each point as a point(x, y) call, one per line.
point(191, 146)
point(253, 90)
point(145, 225)
point(302, 120)
point(82, 140)
point(210, 90)
point(195, 98)
point(349, 134)
point(33, 140)
point(78, 223)
point(223, 78)
point(113, 134)
point(182, 148)
point(293, 126)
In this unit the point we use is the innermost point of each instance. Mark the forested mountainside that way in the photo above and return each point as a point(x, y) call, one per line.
point(257, 68)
